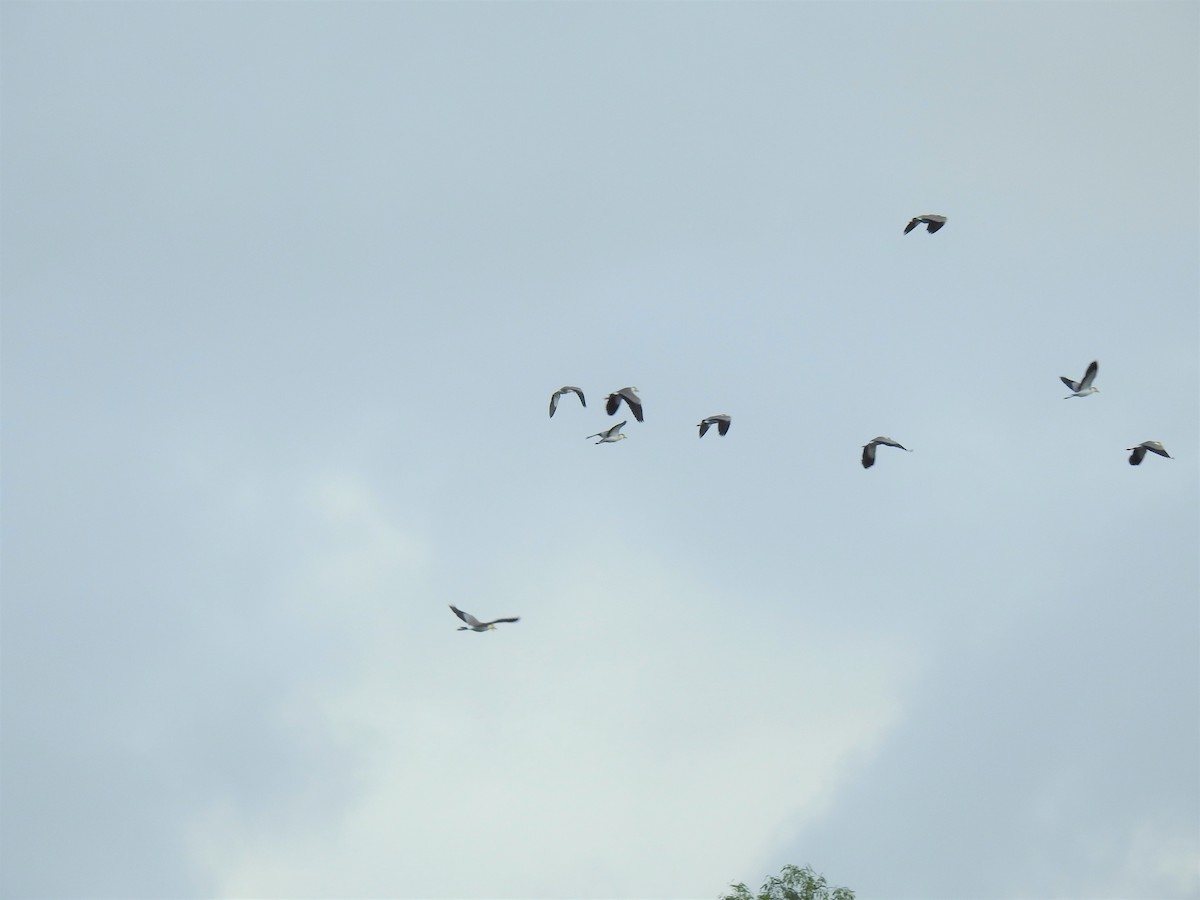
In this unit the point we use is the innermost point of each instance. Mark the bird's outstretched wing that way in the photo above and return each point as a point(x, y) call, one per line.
point(466, 617)
point(629, 395)
point(1090, 375)
point(1140, 451)
point(634, 403)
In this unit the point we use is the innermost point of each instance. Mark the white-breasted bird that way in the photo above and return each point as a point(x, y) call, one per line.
point(473, 624)
point(1139, 452)
point(611, 436)
point(631, 398)
point(868, 456)
point(931, 222)
point(564, 390)
point(722, 422)
point(1084, 386)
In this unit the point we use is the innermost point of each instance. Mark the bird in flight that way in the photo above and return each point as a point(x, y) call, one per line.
point(722, 422)
point(473, 624)
point(612, 435)
point(1084, 386)
point(564, 390)
point(631, 398)
point(868, 457)
point(931, 222)
point(1139, 452)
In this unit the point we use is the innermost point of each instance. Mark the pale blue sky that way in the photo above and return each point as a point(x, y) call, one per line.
point(286, 289)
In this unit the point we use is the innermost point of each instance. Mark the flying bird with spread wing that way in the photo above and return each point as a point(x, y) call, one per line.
point(631, 398)
point(722, 422)
point(611, 436)
point(473, 624)
point(868, 454)
point(1084, 386)
point(567, 389)
point(1139, 452)
point(931, 222)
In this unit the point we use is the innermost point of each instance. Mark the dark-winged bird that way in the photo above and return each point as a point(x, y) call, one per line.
point(931, 222)
point(722, 422)
point(868, 457)
point(564, 390)
point(631, 398)
point(1139, 452)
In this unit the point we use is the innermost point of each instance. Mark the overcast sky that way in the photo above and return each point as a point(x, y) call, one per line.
point(286, 290)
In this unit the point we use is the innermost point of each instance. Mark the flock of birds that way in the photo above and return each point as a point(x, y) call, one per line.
point(722, 421)
point(1084, 387)
point(629, 396)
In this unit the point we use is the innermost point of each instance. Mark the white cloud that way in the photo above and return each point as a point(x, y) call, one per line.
point(653, 739)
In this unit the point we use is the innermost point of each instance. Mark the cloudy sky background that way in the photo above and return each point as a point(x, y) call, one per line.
point(286, 291)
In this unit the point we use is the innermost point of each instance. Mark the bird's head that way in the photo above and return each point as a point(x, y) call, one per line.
point(491, 627)
point(463, 628)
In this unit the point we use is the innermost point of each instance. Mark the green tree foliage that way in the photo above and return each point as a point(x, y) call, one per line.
point(793, 883)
